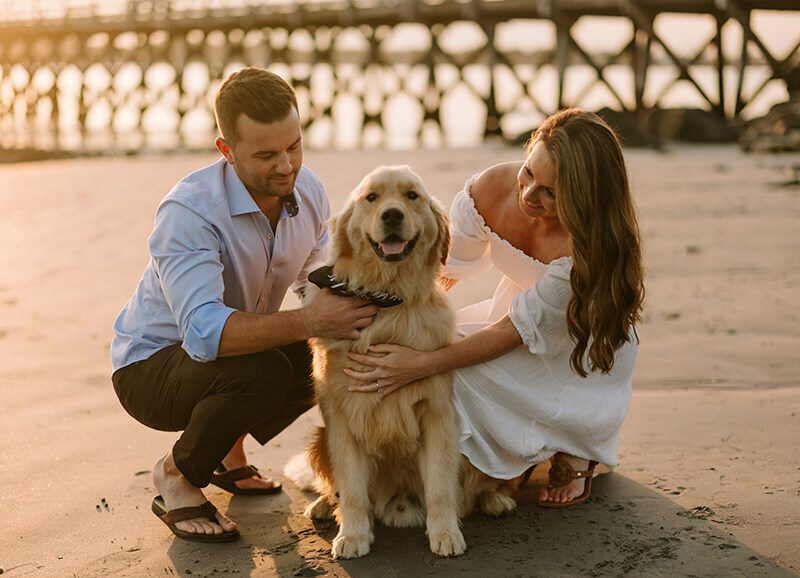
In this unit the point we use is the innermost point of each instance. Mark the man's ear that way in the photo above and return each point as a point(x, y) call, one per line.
point(224, 148)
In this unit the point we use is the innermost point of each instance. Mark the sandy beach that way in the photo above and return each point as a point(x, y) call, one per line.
point(709, 475)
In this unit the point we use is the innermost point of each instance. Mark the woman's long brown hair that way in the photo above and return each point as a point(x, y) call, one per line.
point(595, 208)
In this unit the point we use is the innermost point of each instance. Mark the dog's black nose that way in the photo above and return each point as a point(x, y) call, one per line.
point(393, 216)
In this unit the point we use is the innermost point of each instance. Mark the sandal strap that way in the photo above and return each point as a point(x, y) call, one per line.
point(207, 510)
point(562, 473)
point(230, 476)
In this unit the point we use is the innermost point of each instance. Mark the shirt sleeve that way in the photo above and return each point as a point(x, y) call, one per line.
point(469, 255)
point(540, 313)
point(186, 254)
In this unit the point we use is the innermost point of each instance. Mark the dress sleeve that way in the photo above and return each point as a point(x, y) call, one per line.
point(186, 254)
point(469, 255)
point(540, 313)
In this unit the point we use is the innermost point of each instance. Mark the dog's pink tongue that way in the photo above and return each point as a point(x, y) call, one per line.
point(392, 248)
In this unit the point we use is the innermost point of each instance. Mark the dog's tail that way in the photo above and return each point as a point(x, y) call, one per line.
point(310, 469)
point(298, 469)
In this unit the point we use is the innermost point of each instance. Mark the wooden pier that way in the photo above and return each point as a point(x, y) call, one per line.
point(46, 48)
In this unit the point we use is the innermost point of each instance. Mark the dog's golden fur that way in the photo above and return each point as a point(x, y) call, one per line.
point(396, 457)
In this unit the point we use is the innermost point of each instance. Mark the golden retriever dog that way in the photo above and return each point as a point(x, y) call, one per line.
point(396, 457)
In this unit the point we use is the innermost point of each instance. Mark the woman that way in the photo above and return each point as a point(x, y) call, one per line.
point(544, 371)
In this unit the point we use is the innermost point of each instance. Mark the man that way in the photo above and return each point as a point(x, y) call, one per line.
point(201, 346)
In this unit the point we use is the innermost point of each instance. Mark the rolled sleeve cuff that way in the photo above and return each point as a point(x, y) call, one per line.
point(202, 337)
point(525, 322)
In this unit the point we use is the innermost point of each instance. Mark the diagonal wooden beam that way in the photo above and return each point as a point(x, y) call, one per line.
point(598, 68)
point(691, 60)
point(743, 17)
point(786, 63)
point(646, 25)
point(502, 58)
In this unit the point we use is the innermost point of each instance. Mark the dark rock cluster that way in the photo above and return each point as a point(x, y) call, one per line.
point(669, 124)
point(779, 129)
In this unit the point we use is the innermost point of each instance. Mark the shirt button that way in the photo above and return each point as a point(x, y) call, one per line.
point(269, 237)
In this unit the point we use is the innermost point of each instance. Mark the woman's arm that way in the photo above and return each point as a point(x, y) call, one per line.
point(394, 366)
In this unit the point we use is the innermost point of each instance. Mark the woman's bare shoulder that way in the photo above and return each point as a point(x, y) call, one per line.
point(493, 184)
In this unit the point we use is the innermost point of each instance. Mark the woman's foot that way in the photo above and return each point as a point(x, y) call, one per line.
point(564, 485)
point(179, 493)
point(237, 459)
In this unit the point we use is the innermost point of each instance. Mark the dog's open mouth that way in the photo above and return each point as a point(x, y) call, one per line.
point(393, 248)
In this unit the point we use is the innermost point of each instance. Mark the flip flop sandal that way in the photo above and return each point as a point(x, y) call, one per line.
point(562, 474)
point(206, 510)
point(226, 479)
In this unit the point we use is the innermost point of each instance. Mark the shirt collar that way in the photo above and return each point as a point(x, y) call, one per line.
point(239, 199)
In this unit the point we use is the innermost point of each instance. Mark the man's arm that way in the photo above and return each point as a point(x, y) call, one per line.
point(186, 253)
point(328, 315)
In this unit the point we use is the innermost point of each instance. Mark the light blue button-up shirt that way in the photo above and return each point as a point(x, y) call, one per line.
point(213, 252)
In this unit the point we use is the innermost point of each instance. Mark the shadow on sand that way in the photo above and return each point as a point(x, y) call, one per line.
point(625, 529)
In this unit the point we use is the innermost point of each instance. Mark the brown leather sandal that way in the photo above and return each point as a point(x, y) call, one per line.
point(226, 479)
point(562, 474)
point(206, 510)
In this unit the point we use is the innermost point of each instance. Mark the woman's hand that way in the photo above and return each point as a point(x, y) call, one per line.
point(393, 366)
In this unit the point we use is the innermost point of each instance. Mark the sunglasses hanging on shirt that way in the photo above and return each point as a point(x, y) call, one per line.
point(290, 203)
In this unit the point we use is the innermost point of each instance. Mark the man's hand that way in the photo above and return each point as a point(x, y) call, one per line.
point(330, 315)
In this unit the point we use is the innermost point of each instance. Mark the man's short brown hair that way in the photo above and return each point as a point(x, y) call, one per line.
point(256, 92)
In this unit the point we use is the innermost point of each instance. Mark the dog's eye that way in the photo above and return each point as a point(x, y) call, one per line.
point(371, 197)
point(412, 195)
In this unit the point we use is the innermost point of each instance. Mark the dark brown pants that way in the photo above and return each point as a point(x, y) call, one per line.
point(215, 403)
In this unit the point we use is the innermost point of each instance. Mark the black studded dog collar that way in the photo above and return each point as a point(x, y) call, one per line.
point(324, 279)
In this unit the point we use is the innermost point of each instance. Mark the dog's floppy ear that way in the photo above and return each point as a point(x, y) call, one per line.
point(341, 243)
point(443, 230)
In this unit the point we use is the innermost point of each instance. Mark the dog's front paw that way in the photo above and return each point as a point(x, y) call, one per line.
point(319, 509)
point(401, 512)
point(351, 546)
point(496, 504)
point(447, 542)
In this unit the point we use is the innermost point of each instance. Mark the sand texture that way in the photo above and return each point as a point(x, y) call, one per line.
point(709, 475)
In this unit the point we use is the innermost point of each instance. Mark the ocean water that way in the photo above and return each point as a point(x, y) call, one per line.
point(146, 103)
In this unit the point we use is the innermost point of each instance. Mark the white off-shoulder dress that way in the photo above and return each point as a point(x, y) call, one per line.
point(519, 409)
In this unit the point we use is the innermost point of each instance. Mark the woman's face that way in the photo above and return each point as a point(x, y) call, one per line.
point(537, 181)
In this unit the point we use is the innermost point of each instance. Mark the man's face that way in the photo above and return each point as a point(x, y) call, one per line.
point(266, 156)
